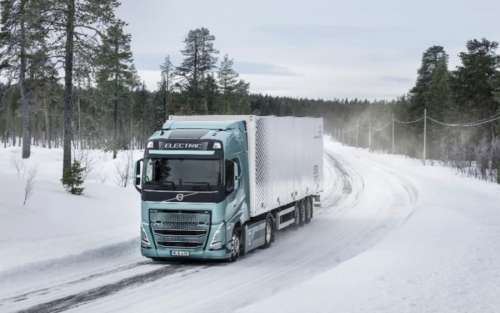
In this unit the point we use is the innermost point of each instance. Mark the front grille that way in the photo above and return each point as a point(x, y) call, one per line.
point(183, 244)
point(180, 229)
point(185, 232)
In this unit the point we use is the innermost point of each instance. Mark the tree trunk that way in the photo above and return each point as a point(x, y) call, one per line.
point(46, 122)
point(115, 126)
point(115, 107)
point(78, 101)
point(68, 85)
point(25, 105)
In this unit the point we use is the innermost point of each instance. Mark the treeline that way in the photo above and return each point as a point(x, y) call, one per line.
point(459, 110)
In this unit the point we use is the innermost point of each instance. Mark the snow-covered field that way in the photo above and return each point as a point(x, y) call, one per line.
point(392, 236)
point(54, 224)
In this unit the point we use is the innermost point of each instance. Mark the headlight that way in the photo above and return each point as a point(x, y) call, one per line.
point(144, 237)
point(150, 145)
point(219, 238)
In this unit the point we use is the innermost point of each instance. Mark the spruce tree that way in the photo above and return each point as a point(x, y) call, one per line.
point(73, 178)
point(476, 81)
point(228, 82)
point(116, 73)
point(431, 92)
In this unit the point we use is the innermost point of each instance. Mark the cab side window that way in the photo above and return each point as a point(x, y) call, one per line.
point(229, 176)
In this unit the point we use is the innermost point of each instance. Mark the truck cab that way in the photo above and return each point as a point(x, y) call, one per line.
point(194, 184)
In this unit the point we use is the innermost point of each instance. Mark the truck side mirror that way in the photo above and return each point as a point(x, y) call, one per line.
point(138, 168)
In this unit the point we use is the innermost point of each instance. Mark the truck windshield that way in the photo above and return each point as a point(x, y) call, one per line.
point(183, 174)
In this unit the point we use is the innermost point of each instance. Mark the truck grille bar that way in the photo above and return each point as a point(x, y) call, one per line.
point(180, 229)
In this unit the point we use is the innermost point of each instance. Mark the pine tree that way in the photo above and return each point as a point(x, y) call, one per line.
point(78, 26)
point(116, 73)
point(199, 59)
point(73, 178)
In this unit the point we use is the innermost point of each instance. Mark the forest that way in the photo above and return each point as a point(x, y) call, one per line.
point(68, 80)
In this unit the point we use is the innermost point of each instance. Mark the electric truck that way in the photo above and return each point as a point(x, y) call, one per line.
point(219, 186)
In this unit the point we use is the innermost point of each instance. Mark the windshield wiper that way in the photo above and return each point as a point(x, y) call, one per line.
point(197, 185)
point(168, 182)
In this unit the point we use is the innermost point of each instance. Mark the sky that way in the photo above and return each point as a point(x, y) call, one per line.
point(313, 48)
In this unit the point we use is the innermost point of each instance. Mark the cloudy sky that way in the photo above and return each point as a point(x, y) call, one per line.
point(313, 48)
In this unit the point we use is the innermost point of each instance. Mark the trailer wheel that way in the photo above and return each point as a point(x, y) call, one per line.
point(302, 212)
point(309, 209)
point(269, 232)
point(235, 245)
point(297, 214)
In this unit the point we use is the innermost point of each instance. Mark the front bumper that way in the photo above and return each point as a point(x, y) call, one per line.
point(151, 244)
point(193, 254)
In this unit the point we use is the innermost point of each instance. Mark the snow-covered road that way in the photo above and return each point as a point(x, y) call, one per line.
point(360, 253)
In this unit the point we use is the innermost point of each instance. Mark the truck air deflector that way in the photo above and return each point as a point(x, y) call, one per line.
point(181, 152)
point(187, 133)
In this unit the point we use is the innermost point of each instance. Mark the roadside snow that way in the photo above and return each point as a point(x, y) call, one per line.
point(55, 224)
point(445, 258)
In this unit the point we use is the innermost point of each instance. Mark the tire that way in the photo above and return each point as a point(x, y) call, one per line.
point(309, 210)
point(269, 232)
point(302, 212)
point(297, 214)
point(235, 245)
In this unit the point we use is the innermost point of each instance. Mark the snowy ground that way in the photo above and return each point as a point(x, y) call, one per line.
point(392, 236)
point(54, 224)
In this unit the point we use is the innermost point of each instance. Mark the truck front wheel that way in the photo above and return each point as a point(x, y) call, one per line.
point(235, 245)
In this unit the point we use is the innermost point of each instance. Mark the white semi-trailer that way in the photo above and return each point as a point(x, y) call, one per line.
point(219, 186)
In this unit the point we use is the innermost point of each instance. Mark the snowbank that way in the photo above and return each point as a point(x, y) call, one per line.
point(54, 224)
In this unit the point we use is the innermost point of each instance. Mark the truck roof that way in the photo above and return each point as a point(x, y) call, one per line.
point(216, 125)
point(205, 121)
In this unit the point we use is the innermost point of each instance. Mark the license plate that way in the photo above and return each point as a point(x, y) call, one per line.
point(179, 253)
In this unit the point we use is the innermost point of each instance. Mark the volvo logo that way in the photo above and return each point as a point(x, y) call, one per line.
point(179, 197)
